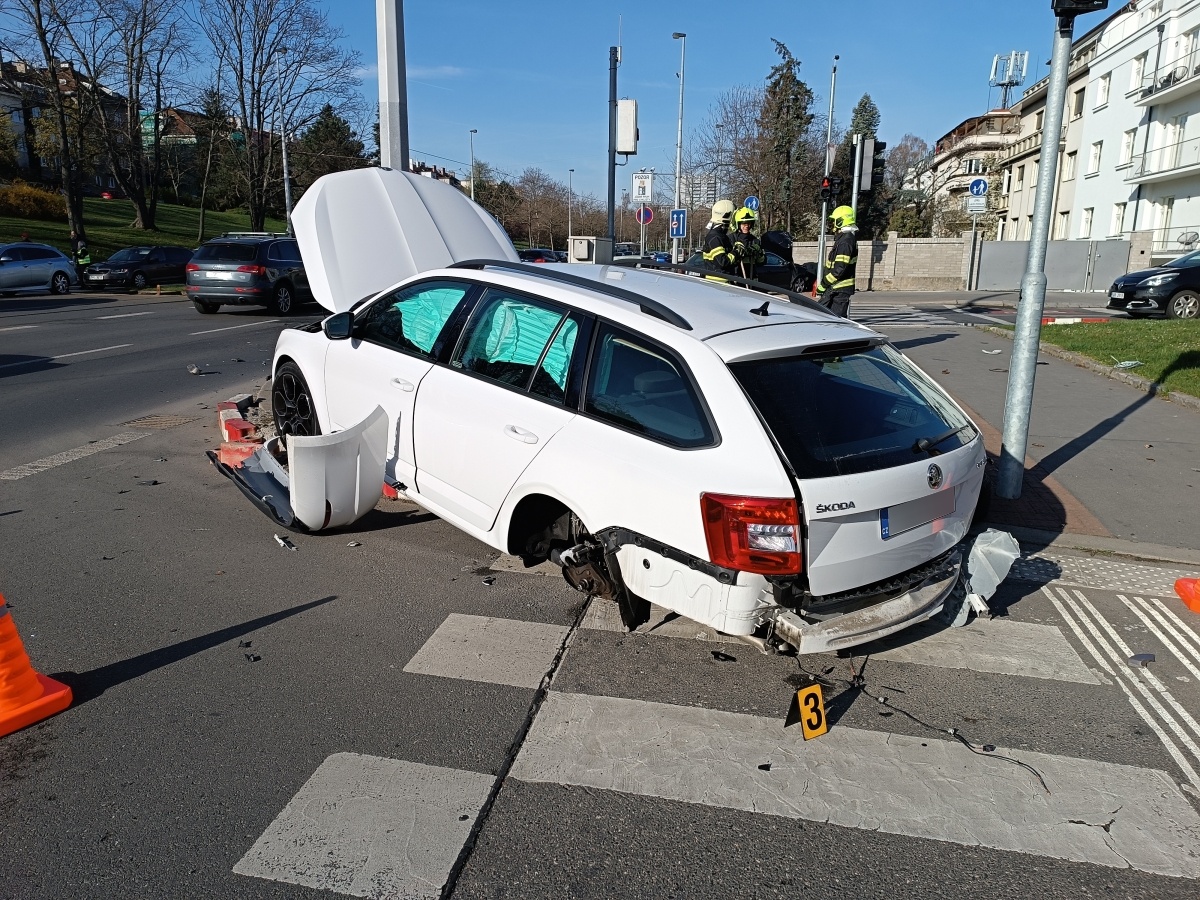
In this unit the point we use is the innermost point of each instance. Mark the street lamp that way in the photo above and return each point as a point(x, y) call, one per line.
point(474, 131)
point(682, 38)
point(287, 181)
point(570, 200)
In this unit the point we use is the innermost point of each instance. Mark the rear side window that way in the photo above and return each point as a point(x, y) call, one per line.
point(518, 341)
point(410, 319)
point(32, 253)
point(229, 251)
point(843, 414)
point(640, 386)
point(178, 254)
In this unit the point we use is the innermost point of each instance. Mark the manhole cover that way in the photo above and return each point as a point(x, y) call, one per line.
point(160, 421)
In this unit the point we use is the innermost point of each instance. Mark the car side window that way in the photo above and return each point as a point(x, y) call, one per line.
point(410, 319)
point(155, 255)
point(637, 385)
point(32, 253)
point(288, 251)
point(518, 341)
point(774, 259)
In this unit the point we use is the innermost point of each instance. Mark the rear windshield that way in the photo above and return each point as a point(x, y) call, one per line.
point(230, 252)
point(130, 254)
point(838, 415)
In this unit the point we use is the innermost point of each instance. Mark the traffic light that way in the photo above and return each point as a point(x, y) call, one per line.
point(835, 186)
point(1077, 7)
point(826, 189)
point(873, 164)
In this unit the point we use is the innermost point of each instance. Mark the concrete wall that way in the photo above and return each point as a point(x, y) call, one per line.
point(904, 264)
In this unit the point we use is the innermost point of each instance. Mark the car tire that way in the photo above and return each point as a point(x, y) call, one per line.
point(291, 403)
point(283, 300)
point(138, 282)
point(1184, 305)
point(206, 309)
point(60, 283)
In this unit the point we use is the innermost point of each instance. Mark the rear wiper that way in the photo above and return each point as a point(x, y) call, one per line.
point(924, 444)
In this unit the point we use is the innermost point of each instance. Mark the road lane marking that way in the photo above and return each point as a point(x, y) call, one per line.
point(496, 651)
point(897, 784)
point(67, 456)
point(126, 315)
point(45, 359)
point(1124, 678)
point(232, 327)
point(1139, 608)
point(371, 827)
point(17, 327)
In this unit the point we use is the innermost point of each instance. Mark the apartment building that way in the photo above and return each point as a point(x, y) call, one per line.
point(962, 155)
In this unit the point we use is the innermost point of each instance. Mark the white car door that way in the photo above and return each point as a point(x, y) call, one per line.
point(391, 349)
point(481, 422)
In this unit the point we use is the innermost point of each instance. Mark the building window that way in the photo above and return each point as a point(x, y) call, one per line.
point(1033, 173)
point(1102, 88)
point(1137, 71)
point(1038, 119)
point(1085, 224)
point(1069, 166)
point(1077, 104)
point(1006, 183)
point(1028, 227)
point(1062, 227)
point(1118, 219)
point(1127, 142)
point(1094, 158)
point(973, 166)
point(1020, 178)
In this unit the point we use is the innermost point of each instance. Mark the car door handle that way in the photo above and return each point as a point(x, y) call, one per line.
point(407, 386)
point(520, 434)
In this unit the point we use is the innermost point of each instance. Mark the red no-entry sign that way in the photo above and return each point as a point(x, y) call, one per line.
point(644, 215)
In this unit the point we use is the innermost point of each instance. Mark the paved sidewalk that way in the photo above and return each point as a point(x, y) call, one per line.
point(1108, 467)
point(986, 299)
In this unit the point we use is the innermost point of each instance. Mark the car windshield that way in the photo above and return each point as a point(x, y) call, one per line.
point(130, 254)
point(1189, 261)
point(839, 414)
point(227, 252)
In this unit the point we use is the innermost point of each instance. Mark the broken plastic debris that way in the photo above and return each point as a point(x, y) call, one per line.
point(989, 748)
point(1140, 660)
point(151, 482)
point(253, 657)
point(765, 767)
point(1127, 364)
point(991, 352)
point(244, 644)
point(723, 657)
point(194, 369)
point(991, 556)
point(354, 544)
point(160, 459)
point(284, 542)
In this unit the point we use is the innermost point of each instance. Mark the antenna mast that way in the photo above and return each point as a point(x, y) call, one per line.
point(1008, 72)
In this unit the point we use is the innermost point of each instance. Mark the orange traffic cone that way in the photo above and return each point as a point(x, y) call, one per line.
point(25, 696)
point(1188, 590)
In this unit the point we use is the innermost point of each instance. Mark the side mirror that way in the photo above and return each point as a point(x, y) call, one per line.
point(337, 327)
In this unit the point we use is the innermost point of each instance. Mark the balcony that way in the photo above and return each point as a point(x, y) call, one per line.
point(1026, 145)
point(1173, 242)
point(1166, 163)
point(1171, 81)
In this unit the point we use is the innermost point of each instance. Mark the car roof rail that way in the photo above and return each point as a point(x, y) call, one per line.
point(682, 268)
point(262, 234)
point(647, 305)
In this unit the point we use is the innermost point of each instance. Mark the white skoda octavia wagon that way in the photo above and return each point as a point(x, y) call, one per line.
point(755, 464)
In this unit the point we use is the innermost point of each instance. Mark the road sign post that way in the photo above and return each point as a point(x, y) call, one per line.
point(644, 216)
point(678, 224)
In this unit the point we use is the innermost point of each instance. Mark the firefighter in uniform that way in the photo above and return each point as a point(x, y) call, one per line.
point(837, 285)
point(718, 247)
point(80, 255)
point(747, 250)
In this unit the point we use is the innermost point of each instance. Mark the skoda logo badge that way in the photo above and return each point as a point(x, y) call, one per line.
point(935, 477)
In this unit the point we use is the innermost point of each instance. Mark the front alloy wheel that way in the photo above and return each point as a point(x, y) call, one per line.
point(291, 403)
point(60, 283)
point(1184, 305)
point(139, 281)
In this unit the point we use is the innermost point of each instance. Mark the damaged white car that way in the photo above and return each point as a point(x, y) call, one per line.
point(757, 465)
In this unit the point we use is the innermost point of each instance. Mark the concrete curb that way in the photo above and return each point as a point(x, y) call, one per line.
point(1043, 540)
point(1086, 362)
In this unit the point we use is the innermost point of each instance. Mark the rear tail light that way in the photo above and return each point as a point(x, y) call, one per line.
point(192, 267)
point(253, 270)
point(753, 534)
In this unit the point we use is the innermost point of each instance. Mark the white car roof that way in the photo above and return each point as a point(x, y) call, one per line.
point(361, 231)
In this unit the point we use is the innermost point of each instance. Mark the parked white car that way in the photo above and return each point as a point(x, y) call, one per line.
point(757, 465)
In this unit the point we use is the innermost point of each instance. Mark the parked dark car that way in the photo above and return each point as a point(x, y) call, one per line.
point(1171, 290)
point(259, 269)
point(139, 267)
point(776, 271)
point(538, 255)
point(39, 266)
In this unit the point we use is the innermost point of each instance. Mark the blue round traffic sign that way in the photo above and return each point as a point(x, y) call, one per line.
point(644, 215)
point(978, 187)
point(751, 203)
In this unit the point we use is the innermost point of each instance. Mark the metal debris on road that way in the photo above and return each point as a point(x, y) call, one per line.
point(285, 543)
point(1140, 660)
point(194, 369)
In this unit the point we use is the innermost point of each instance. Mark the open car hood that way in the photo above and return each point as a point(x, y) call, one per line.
point(364, 230)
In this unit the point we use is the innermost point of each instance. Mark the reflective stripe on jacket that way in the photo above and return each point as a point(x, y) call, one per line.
point(718, 249)
point(842, 261)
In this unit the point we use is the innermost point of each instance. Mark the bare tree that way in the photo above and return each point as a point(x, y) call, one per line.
point(284, 62)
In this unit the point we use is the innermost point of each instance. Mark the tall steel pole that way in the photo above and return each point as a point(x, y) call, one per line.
point(828, 166)
point(570, 201)
point(1023, 365)
point(613, 53)
point(393, 85)
point(682, 38)
point(287, 181)
point(474, 131)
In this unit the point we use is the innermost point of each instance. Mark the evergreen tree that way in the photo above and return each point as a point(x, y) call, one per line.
point(784, 124)
point(328, 145)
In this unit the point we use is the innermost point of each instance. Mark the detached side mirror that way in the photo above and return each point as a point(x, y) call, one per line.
point(337, 327)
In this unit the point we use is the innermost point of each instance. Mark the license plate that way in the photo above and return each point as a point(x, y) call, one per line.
point(1117, 295)
point(222, 276)
point(808, 708)
point(97, 277)
point(894, 520)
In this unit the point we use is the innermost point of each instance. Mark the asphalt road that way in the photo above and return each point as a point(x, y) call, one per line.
point(391, 709)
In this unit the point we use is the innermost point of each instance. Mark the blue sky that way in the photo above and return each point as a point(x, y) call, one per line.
point(533, 78)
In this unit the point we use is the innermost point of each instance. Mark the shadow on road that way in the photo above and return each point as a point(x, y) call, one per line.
point(15, 364)
point(53, 301)
point(89, 685)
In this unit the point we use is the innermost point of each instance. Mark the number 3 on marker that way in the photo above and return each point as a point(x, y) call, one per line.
point(812, 711)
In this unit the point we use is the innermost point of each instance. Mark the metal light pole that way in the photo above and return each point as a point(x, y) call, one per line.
point(287, 181)
point(474, 131)
point(570, 201)
point(828, 166)
point(1023, 365)
point(393, 85)
point(682, 38)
